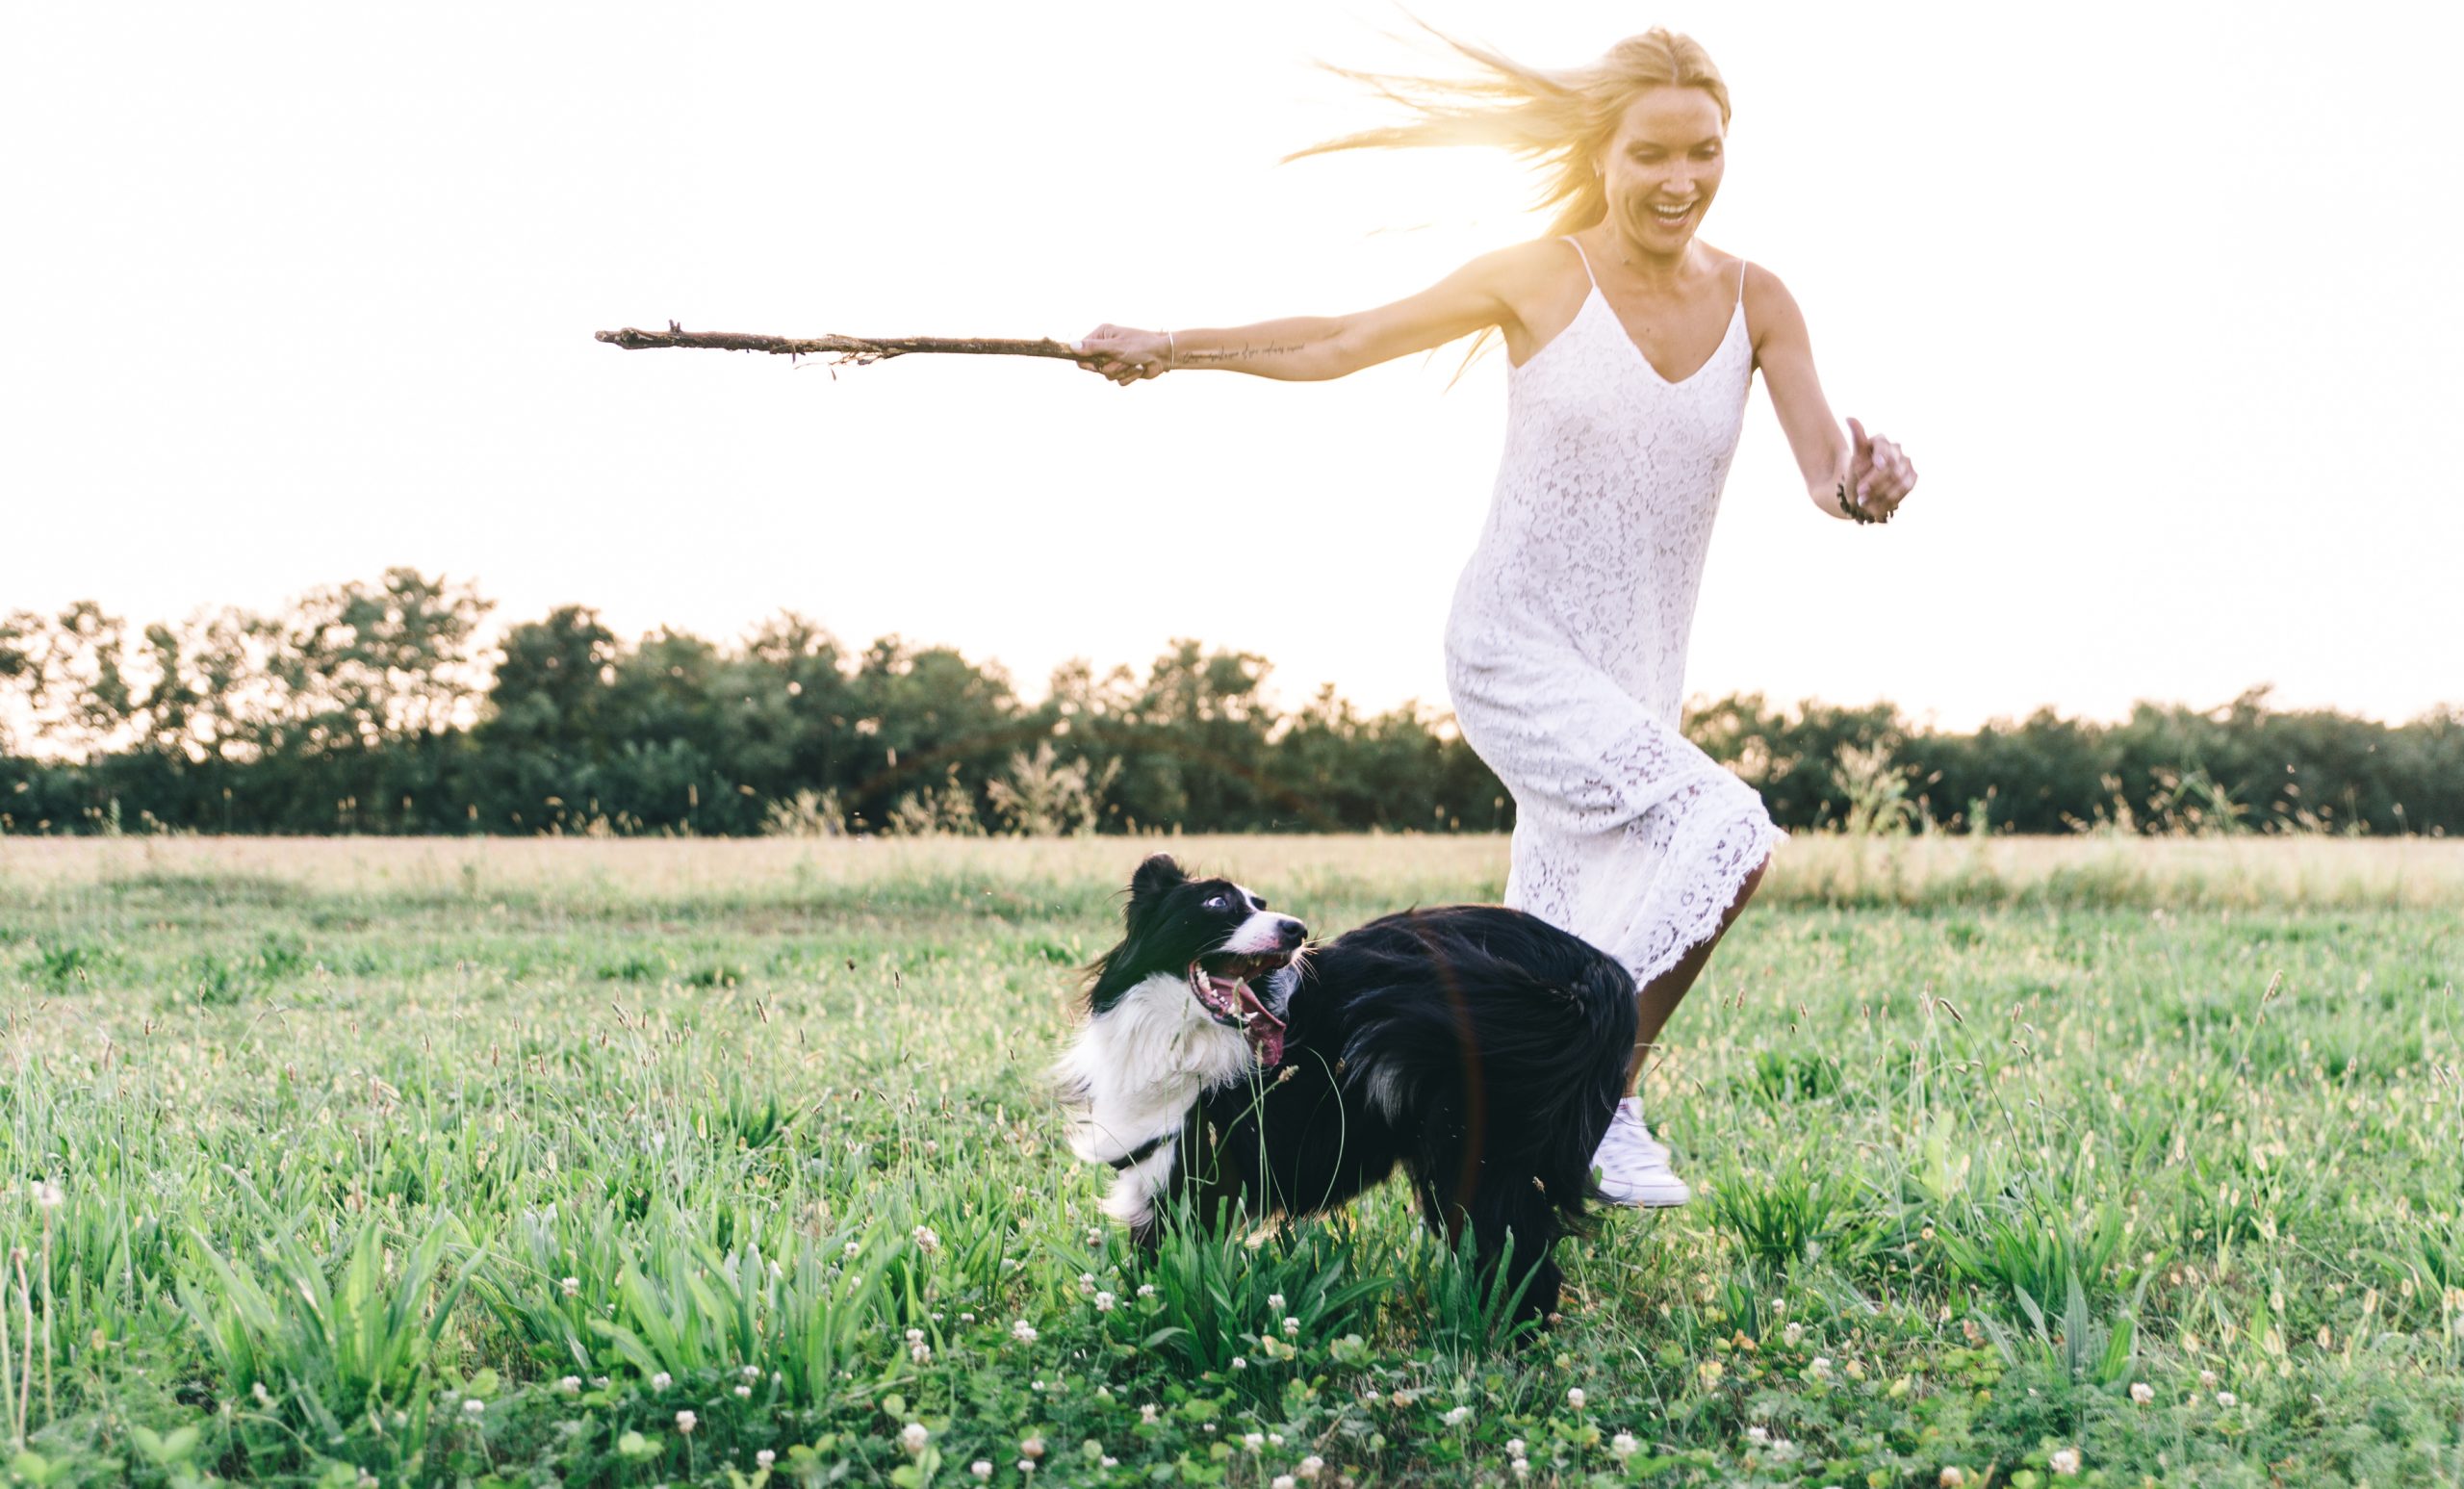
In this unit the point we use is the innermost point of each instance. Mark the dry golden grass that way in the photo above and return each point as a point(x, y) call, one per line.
point(2310, 872)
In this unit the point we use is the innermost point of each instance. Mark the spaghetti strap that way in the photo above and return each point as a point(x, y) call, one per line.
point(1594, 279)
point(1740, 283)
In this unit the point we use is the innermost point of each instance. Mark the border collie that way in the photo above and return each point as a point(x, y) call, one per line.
point(1225, 1060)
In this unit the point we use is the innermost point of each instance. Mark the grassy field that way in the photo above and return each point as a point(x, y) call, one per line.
point(638, 1163)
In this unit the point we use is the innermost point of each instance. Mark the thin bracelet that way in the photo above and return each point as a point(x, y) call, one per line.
point(1171, 351)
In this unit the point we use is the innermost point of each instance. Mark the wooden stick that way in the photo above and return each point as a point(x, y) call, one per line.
point(847, 348)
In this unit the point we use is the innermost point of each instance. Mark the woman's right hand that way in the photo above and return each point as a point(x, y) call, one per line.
point(1122, 353)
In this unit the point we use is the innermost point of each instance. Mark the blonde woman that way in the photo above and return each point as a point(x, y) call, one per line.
point(1632, 343)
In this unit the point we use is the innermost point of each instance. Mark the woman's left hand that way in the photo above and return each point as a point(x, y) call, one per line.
point(1880, 474)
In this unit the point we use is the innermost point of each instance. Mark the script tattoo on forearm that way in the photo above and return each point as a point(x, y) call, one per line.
point(1246, 352)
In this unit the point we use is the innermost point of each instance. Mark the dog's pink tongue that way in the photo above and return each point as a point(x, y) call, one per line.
point(1264, 1028)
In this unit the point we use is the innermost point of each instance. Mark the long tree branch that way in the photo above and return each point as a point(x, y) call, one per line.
point(847, 348)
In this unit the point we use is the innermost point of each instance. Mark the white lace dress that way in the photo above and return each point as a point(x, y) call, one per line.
point(1565, 650)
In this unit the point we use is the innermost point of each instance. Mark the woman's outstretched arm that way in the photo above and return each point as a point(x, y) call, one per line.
point(1877, 473)
point(1312, 348)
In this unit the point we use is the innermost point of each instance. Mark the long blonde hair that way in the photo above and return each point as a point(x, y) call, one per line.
point(1559, 119)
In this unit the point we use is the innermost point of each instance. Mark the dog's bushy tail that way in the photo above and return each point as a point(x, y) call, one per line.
point(1500, 1028)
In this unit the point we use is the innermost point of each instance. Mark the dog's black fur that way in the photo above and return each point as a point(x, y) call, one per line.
point(1481, 1048)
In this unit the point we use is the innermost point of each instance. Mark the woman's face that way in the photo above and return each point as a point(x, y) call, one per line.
point(1662, 167)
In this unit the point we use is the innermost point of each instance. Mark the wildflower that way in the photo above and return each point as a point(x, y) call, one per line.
point(1952, 1478)
point(1146, 1289)
point(2065, 1461)
point(1522, 1468)
point(571, 1287)
point(571, 1385)
point(966, 1317)
point(2227, 1400)
point(912, 1437)
point(1023, 1332)
point(1274, 1439)
point(1514, 1448)
point(1285, 1481)
point(1760, 1437)
point(1104, 1302)
point(1253, 1441)
point(686, 1421)
point(1456, 1417)
point(981, 1468)
point(764, 1458)
point(49, 1195)
point(1791, 1334)
point(265, 1397)
point(1623, 1445)
point(751, 1372)
point(1821, 1367)
point(474, 1406)
point(1401, 1397)
point(855, 1248)
point(1086, 1284)
point(2142, 1392)
point(1147, 1414)
point(1575, 1397)
point(2207, 1380)
point(1107, 1460)
point(661, 1382)
point(1312, 1466)
point(744, 1393)
point(1238, 1363)
point(1033, 1447)
point(1275, 1303)
point(1711, 1370)
point(1026, 1465)
point(927, 1240)
point(1290, 1328)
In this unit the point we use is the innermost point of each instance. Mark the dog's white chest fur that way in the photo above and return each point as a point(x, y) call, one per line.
point(1131, 1076)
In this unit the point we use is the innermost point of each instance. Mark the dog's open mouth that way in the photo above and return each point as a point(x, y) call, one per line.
point(1221, 983)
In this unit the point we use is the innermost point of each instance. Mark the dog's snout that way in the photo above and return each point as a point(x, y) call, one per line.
point(1292, 932)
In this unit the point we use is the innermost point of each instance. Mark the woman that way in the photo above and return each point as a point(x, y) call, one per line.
point(1632, 346)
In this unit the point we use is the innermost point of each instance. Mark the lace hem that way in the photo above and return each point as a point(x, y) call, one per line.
point(1702, 921)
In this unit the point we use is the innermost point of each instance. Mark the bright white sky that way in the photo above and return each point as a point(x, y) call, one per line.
point(2162, 299)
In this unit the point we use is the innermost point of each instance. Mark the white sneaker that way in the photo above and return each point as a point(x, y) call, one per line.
point(1633, 1165)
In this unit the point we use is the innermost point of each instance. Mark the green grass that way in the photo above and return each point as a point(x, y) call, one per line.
point(424, 1161)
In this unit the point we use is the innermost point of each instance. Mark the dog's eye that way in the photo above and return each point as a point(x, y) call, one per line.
point(1215, 902)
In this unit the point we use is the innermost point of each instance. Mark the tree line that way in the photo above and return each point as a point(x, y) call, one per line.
point(377, 706)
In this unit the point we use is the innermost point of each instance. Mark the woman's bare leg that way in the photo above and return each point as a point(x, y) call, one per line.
point(1660, 997)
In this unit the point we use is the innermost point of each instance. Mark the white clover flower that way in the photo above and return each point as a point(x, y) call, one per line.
point(926, 1239)
point(1104, 1302)
point(966, 1317)
point(2207, 1380)
point(1146, 1289)
point(921, 1352)
point(1094, 1235)
point(1821, 1367)
point(912, 1437)
point(48, 1195)
point(661, 1382)
point(1623, 1445)
point(1275, 1303)
point(1522, 1468)
point(1514, 1448)
point(1285, 1481)
point(1107, 1460)
point(474, 1406)
point(1791, 1334)
point(1760, 1437)
point(855, 1248)
point(1312, 1466)
point(751, 1372)
point(1146, 1413)
point(743, 1393)
point(1027, 1466)
point(2065, 1461)
point(2142, 1392)
point(764, 1458)
point(2227, 1400)
point(686, 1421)
point(981, 1468)
point(1952, 1478)
point(1291, 1327)
point(1086, 1284)
point(1255, 1442)
point(1023, 1332)
point(570, 1286)
point(1274, 1439)
point(1239, 1363)
point(1575, 1397)
point(1033, 1447)
point(1457, 1416)
point(571, 1385)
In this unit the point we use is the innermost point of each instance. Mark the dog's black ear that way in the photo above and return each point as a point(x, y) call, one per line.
point(1156, 875)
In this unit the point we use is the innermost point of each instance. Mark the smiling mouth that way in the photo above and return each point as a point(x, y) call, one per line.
point(1221, 983)
point(1671, 218)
